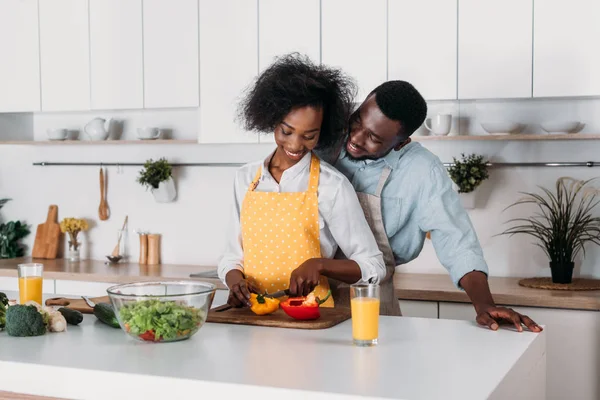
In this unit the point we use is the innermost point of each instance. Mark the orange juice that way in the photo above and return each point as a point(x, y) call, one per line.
point(30, 288)
point(365, 318)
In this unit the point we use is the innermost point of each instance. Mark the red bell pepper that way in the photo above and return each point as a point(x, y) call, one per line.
point(304, 308)
point(148, 335)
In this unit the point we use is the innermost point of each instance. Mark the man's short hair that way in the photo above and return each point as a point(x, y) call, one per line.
point(400, 101)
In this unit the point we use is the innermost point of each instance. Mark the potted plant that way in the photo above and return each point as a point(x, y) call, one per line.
point(10, 234)
point(72, 226)
point(157, 176)
point(563, 224)
point(468, 173)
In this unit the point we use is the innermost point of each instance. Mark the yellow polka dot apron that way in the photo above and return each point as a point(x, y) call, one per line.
point(279, 232)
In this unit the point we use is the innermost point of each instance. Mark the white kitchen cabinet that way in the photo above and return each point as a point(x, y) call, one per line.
point(419, 309)
point(422, 43)
point(19, 47)
point(354, 36)
point(573, 349)
point(81, 288)
point(286, 26)
point(566, 61)
point(12, 284)
point(64, 55)
point(494, 48)
point(116, 54)
point(228, 64)
point(170, 53)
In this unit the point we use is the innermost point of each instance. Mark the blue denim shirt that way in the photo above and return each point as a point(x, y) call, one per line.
point(417, 198)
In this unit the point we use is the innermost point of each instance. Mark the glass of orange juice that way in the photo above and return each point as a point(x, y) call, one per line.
point(364, 305)
point(30, 282)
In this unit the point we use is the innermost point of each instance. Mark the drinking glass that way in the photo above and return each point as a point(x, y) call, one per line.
point(30, 282)
point(364, 305)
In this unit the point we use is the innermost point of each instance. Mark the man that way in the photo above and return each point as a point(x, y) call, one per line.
point(406, 192)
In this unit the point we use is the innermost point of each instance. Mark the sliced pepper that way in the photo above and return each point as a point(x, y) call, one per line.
point(261, 305)
point(304, 308)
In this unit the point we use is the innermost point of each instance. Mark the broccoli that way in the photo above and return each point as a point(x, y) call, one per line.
point(3, 305)
point(22, 320)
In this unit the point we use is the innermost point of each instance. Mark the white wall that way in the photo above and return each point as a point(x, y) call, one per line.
point(194, 226)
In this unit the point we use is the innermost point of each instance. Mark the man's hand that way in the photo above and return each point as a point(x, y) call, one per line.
point(306, 277)
point(239, 289)
point(492, 317)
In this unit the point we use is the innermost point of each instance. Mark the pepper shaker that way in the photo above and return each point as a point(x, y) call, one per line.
point(153, 248)
point(143, 248)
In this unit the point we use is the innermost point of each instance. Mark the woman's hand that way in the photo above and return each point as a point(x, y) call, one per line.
point(239, 289)
point(306, 277)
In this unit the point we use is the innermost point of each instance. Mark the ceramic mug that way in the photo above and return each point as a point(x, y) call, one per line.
point(440, 124)
point(148, 133)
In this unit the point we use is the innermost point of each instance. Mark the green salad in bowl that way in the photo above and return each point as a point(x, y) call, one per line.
point(162, 311)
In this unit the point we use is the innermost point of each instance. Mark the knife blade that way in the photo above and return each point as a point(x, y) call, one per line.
point(221, 308)
point(279, 293)
point(89, 302)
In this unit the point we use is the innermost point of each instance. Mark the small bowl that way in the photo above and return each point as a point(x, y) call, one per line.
point(558, 127)
point(57, 134)
point(499, 127)
point(142, 301)
point(114, 259)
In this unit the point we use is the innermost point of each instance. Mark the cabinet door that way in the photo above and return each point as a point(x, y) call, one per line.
point(19, 46)
point(566, 61)
point(80, 288)
point(287, 26)
point(494, 48)
point(65, 55)
point(171, 53)
point(12, 284)
point(354, 38)
point(116, 54)
point(228, 64)
point(418, 308)
point(422, 41)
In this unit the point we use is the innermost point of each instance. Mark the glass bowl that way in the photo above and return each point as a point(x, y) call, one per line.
point(162, 311)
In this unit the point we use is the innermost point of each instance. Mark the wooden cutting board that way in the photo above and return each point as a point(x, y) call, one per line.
point(243, 316)
point(77, 304)
point(47, 236)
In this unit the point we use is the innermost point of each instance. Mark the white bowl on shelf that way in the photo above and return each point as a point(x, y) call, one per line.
point(57, 133)
point(560, 127)
point(501, 127)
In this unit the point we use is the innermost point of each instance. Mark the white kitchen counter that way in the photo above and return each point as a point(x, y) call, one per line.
point(416, 359)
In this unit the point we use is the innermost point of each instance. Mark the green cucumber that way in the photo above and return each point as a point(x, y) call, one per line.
point(72, 317)
point(104, 312)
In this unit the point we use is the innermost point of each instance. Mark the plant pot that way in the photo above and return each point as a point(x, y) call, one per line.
point(166, 192)
point(468, 200)
point(562, 272)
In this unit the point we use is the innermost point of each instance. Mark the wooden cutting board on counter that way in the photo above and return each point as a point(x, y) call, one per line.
point(47, 236)
point(77, 304)
point(279, 319)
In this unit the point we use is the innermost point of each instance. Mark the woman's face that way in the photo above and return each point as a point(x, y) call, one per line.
point(298, 133)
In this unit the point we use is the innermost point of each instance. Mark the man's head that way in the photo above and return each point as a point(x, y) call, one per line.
point(385, 120)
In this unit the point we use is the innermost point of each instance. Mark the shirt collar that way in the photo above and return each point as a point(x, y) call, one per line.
point(290, 173)
point(391, 159)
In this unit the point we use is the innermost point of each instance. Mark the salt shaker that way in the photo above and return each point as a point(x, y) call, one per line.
point(153, 249)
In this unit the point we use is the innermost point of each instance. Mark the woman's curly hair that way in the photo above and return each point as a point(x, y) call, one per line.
point(293, 81)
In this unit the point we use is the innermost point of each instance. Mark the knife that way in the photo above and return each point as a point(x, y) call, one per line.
point(279, 293)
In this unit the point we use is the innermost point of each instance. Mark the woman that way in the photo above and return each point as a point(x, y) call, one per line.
point(291, 211)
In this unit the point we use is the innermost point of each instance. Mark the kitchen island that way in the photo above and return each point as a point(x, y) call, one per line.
point(417, 358)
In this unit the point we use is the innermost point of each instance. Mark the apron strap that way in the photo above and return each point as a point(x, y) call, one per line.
point(382, 180)
point(254, 182)
point(313, 179)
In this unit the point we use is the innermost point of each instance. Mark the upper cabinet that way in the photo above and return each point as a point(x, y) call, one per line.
point(65, 55)
point(422, 46)
point(117, 70)
point(494, 48)
point(228, 64)
point(566, 60)
point(286, 26)
point(19, 46)
point(354, 38)
point(170, 53)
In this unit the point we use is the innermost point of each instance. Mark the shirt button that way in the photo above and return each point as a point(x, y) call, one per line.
point(361, 169)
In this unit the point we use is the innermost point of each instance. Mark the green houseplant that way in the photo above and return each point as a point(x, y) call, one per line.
point(562, 224)
point(157, 176)
point(467, 174)
point(10, 235)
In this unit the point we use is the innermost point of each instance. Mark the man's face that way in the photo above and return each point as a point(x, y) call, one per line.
point(372, 134)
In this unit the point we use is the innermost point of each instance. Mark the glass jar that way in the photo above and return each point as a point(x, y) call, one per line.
point(73, 252)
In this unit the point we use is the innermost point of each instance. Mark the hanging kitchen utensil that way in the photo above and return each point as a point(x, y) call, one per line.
point(103, 212)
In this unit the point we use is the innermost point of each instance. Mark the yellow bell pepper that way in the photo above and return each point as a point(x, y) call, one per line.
point(262, 305)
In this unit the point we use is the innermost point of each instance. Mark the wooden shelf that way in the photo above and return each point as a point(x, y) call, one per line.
point(509, 137)
point(99, 142)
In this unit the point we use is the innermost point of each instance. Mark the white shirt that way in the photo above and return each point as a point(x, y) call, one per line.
point(341, 219)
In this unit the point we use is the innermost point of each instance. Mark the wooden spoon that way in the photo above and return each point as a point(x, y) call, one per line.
point(103, 208)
